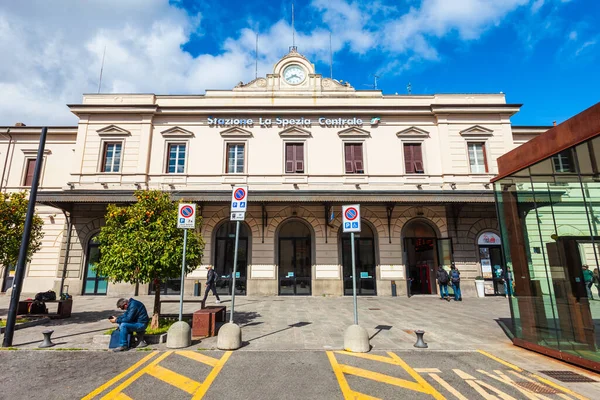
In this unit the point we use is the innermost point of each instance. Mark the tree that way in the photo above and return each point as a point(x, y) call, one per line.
point(141, 243)
point(13, 210)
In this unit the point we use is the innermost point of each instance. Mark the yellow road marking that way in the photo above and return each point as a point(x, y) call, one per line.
point(499, 392)
point(211, 377)
point(429, 389)
point(116, 391)
point(348, 393)
point(123, 396)
point(501, 361)
point(463, 375)
point(427, 370)
point(372, 357)
point(447, 386)
point(539, 378)
point(117, 378)
point(173, 378)
point(563, 396)
point(376, 376)
point(201, 358)
point(480, 390)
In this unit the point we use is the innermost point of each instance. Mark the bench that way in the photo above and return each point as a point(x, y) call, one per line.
point(64, 308)
point(204, 321)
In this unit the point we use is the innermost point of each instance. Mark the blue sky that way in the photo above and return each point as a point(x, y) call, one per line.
point(541, 53)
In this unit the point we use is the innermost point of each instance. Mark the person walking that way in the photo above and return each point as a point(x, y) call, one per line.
point(443, 278)
point(508, 278)
point(455, 280)
point(588, 279)
point(211, 284)
point(135, 319)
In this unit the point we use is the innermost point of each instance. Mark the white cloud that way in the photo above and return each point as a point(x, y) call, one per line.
point(537, 4)
point(585, 46)
point(573, 35)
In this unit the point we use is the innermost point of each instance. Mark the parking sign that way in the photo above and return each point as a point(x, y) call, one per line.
point(351, 218)
point(186, 217)
point(239, 199)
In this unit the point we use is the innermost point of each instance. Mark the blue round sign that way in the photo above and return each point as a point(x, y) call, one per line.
point(239, 194)
point(351, 213)
point(187, 211)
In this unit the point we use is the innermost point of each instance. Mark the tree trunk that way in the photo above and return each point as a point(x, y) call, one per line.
point(156, 315)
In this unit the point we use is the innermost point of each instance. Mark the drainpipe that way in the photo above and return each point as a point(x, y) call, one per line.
point(69, 219)
point(10, 140)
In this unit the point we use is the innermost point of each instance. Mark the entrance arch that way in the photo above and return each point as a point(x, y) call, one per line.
point(295, 258)
point(364, 255)
point(224, 252)
point(420, 256)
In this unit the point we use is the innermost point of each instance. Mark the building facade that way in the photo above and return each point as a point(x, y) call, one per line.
point(305, 145)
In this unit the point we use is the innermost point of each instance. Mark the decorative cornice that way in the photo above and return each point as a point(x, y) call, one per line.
point(477, 130)
point(294, 131)
point(33, 152)
point(113, 130)
point(354, 132)
point(413, 132)
point(176, 131)
point(236, 132)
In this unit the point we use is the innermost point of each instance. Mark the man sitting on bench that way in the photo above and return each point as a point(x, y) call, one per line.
point(135, 319)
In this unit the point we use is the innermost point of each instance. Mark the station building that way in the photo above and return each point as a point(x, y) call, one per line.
point(419, 165)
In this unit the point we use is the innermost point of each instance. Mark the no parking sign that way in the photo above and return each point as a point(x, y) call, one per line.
point(186, 217)
point(351, 218)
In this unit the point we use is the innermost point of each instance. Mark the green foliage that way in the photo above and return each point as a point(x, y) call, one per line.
point(163, 327)
point(141, 242)
point(18, 321)
point(479, 278)
point(13, 209)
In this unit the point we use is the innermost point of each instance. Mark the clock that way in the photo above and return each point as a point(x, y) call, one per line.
point(294, 74)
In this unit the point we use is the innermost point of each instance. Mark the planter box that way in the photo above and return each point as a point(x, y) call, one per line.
point(155, 339)
point(480, 286)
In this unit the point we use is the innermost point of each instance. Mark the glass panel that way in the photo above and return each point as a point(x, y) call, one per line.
point(224, 249)
point(102, 286)
point(476, 158)
point(286, 258)
point(90, 287)
point(303, 286)
point(93, 258)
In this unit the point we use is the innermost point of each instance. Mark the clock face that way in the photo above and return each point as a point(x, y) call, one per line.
point(294, 74)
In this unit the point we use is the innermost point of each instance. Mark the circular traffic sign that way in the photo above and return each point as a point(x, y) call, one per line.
point(239, 194)
point(351, 213)
point(187, 211)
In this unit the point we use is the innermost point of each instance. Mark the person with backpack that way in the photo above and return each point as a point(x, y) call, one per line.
point(455, 280)
point(211, 284)
point(443, 278)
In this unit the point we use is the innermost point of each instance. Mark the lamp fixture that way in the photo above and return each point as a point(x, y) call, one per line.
point(453, 186)
point(71, 185)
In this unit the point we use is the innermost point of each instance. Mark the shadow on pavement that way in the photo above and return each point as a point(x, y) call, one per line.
point(381, 328)
point(296, 325)
point(507, 327)
point(61, 337)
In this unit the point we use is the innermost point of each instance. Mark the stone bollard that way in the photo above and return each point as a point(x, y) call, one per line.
point(420, 343)
point(47, 342)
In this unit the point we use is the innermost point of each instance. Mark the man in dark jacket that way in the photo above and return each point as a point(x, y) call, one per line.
point(211, 284)
point(135, 319)
point(443, 278)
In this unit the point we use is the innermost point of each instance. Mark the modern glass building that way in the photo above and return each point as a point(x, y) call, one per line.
point(548, 199)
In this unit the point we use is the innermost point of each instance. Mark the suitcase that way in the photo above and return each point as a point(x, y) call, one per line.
point(114, 339)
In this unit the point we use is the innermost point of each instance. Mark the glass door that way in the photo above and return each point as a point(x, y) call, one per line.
point(93, 283)
point(9, 277)
point(364, 255)
point(294, 266)
point(224, 254)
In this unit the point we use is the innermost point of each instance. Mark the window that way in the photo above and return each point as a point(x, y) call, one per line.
point(477, 158)
point(235, 158)
point(413, 158)
point(112, 157)
point(563, 162)
point(294, 158)
point(29, 169)
point(176, 164)
point(354, 158)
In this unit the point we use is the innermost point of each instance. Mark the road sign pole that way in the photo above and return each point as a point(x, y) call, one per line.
point(235, 256)
point(182, 275)
point(354, 279)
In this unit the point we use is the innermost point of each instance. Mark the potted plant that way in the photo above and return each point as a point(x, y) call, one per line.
point(479, 285)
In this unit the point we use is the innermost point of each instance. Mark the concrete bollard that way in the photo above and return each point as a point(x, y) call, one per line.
point(229, 337)
point(356, 339)
point(179, 335)
point(420, 343)
point(47, 342)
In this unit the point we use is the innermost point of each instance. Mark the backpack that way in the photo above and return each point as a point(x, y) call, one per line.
point(455, 275)
point(443, 277)
point(46, 296)
point(37, 307)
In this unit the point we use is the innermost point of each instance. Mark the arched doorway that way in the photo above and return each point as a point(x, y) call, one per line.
point(224, 253)
point(423, 253)
point(364, 256)
point(295, 261)
point(93, 284)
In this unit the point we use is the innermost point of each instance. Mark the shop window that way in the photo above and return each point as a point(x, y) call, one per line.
point(413, 158)
point(29, 169)
point(111, 159)
point(235, 158)
point(353, 153)
point(294, 158)
point(477, 158)
point(176, 162)
point(563, 162)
